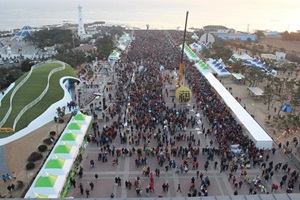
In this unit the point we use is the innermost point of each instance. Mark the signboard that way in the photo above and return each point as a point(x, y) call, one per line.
point(183, 94)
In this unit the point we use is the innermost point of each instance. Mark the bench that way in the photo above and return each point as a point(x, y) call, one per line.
point(7, 130)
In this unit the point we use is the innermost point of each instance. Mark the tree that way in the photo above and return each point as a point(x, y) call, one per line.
point(220, 51)
point(8, 75)
point(13, 75)
point(268, 96)
point(60, 112)
point(255, 76)
point(26, 65)
point(290, 36)
point(206, 53)
point(259, 34)
point(51, 37)
point(90, 73)
point(73, 58)
point(295, 97)
point(238, 65)
point(104, 46)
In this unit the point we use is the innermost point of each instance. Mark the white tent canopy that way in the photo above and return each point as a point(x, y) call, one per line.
point(217, 67)
point(50, 180)
point(238, 76)
point(58, 166)
point(46, 184)
point(196, 46)
point(190, 53)
point(114, 56)
point(252, 128)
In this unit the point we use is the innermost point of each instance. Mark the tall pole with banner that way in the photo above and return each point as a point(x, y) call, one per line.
point(182, 94)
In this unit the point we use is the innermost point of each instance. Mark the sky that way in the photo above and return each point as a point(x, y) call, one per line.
point(279, 15)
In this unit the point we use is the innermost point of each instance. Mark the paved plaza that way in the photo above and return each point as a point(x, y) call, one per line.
point(126, 169)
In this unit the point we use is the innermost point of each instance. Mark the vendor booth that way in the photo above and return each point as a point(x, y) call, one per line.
point(51, 180)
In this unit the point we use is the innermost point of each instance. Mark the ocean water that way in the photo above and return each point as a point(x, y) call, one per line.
point(280, 15)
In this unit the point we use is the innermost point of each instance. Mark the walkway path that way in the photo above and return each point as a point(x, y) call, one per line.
point(3, 167)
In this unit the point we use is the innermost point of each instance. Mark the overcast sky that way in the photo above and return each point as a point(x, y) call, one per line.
point(278, 15)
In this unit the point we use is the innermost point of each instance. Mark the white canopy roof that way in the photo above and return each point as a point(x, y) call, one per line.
point(217, 67)
point(255, 131)
point(51, 178)
point(256, 91)
point(238, 76)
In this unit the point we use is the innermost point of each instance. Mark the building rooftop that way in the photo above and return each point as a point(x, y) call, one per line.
point(25, 31)
point(85, 47)
point(233, 34)
point(214, 27)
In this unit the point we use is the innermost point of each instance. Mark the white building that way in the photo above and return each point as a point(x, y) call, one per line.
point(81, 31)
point(280, 56)
point(217, 29)
point(268, 56)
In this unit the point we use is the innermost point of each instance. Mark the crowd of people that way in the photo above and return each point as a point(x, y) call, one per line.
point(149, 126)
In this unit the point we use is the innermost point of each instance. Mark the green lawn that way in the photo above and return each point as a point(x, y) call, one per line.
point(31, 90)
point(5, 101)
point(5, 134)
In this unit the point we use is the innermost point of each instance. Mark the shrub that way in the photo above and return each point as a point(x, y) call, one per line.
point(42, 148)
point(20, 184)
point(35, 156)
point(30, 165)
point(52, 133)
point(48, 141)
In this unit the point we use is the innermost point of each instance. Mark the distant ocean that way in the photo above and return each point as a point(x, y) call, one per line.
point(279, 15)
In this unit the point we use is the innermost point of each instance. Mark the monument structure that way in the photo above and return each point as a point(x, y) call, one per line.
point(81, 31)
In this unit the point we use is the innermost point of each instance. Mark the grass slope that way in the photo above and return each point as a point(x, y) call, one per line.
point(54, 94)
point(5, 101)
point(31, 90)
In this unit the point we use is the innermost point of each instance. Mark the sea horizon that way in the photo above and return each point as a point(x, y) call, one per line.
point(248, 15)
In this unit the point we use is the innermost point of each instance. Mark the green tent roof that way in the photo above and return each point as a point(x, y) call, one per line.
point(46, 181)
point(80, 116)
point(114, 53)
point(204, 66)
point(190, 51)
point(63, 149)
point(69, 137)
point(75, 126)
point(57, 163)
